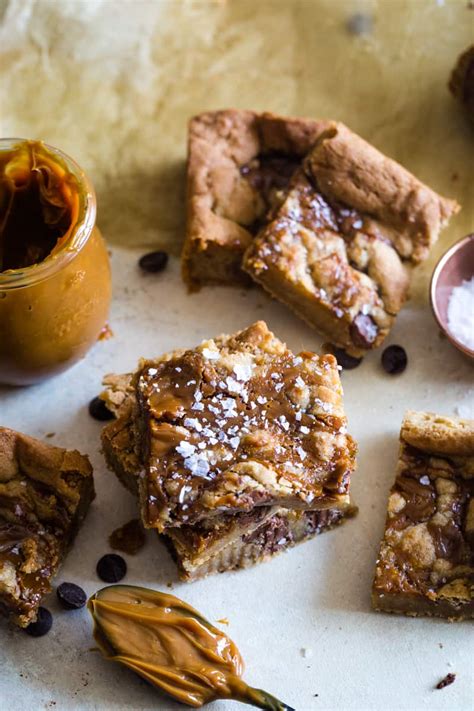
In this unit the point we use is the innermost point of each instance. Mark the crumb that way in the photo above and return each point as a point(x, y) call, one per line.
point(448, 679)
point(305, 652)
point(315, 694)
point(440, 645)
point(129, 538)
point(50, 434)
point(454, 177)
point(223, 621)
point(169, 585)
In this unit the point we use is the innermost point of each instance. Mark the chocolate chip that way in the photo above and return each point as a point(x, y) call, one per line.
point(111, 568)
point(99, 410)
point(394, 360)
point(43, 624)
point(363, 330)
point(153, 262)
point(346, 361)
point(448, 679)
point(71, 596)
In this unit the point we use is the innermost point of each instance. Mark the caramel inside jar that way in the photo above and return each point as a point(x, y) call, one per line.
point(54, 269)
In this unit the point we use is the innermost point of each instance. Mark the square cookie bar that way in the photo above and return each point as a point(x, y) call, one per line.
point(426, 560)
point(238, 164)
point(338, 248)
point(236, 423)
point(221, 543)
point(45, 493)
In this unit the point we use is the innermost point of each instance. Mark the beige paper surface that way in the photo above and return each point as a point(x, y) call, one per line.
point(114, 82)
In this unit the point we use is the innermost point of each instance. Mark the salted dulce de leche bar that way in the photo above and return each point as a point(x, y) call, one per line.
point(339, 248)
point(45, 493)
point(220, 543)
point(239, 162)
point(236, 423)
point(426, 560)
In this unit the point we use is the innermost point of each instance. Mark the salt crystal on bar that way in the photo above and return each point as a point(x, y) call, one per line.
point(461, 313)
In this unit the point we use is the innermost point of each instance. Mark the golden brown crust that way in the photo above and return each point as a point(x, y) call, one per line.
point(405, 211)
point(438, 434)
point(45, 492)
point(338, 248)
point(222, 205)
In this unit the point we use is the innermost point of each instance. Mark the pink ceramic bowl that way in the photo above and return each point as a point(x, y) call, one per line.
point(455, 266)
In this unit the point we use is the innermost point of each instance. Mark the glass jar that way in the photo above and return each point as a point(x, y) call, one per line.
point(54, 297)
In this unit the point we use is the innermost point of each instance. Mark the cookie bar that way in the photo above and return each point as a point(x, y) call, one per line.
point(221, 543)
point(239, 541)
point(426, 560)
point(236, 423)
point(238, 164)
point(338, 248)
point(45, 493)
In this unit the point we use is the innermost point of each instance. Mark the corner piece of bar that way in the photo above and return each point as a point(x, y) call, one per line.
point(426, 559)
point(239, 162)
point(237, 423)
point(45, 493)
point(339, 248)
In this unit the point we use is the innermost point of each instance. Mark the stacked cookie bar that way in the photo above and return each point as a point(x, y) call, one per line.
point(313, 213)
point(236, 449)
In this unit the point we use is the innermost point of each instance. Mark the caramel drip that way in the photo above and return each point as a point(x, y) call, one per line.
point(39, 205)
point(168, 643)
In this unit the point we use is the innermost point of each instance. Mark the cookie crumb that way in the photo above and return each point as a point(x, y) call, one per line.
point(448, 679)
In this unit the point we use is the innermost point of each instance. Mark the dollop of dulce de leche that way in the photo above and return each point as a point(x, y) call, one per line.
point(169, 643)
point(39, 203)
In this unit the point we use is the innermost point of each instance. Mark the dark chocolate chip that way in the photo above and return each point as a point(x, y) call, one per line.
point(346, 361)
point(71, 596)
point(153, 262)
point(448, 679)
point(394, 360)
point(111, 568)
point(99, 410)
point(43, 624)
point(363, 330)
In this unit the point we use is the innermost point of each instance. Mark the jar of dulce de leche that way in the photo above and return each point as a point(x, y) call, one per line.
point(54, 269)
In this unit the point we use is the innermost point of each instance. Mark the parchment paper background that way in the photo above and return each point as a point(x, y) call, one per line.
point(113, 83)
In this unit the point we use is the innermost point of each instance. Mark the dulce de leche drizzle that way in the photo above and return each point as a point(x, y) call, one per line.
point(168, 643)
point(39, 204)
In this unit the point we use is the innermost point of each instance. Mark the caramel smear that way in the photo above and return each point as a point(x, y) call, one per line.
point(169, 643)
point(39, 202)
point(129, 538)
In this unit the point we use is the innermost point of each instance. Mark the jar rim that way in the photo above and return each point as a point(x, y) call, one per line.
point(80, 232)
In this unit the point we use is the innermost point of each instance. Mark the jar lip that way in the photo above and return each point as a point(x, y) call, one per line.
point(35, 273)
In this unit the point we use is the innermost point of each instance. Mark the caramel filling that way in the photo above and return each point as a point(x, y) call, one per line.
point(39, 204)
point(169, 643)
